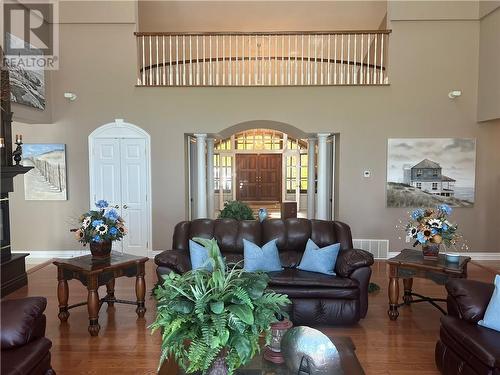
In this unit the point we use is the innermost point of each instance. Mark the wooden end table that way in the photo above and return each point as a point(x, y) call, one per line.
point(411, 263)
point(95, 273)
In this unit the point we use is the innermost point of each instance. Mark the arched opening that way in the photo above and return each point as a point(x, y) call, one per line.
point(266, 164)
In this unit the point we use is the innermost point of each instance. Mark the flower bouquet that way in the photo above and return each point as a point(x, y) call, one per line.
point(430, 228)
point(100, 228)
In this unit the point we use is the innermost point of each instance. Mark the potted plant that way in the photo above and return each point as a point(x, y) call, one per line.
point(100, 228)
point(236, 210)
point(430, 228)
point(211, 322)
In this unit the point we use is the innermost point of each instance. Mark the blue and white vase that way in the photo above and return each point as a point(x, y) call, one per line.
point(263, 214)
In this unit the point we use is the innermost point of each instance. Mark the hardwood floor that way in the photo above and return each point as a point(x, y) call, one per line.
point(126, 346)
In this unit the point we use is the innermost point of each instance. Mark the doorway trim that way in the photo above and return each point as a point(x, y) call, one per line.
point(121, 129)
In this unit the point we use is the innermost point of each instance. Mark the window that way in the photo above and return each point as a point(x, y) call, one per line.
point(222, 173)
point(224, 145)
point(419, 173)
point(259, 140)
point(291, 179)
point(419, 185)
point(435, 172)
point(434, 186)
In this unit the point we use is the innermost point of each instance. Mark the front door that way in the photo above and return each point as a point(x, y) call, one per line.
point(258, 177)
point(119, 176)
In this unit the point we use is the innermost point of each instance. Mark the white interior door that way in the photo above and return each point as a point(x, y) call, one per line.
point(134, 195)
point(119, 176)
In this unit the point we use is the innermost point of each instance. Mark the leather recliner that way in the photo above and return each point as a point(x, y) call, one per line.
point(317, 299)
point(464, 347)
point(25, 349)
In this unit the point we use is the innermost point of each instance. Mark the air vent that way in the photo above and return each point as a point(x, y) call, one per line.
point(379, 248)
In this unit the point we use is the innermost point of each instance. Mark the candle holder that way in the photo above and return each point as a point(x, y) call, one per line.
point(18, 152)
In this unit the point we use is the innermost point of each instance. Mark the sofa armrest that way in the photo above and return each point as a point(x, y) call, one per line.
point(22, 321)
point(468, 299)
point(351, 259)
point(177, 260)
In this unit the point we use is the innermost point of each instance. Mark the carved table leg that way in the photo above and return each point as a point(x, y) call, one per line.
point(62, 296)
point(408, 285)
point(393, 298)
point(140, 291)
point(93, 306)
point(110, 292)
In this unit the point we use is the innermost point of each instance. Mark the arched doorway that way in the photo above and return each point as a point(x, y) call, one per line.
point(120, 172)
point(262, 163)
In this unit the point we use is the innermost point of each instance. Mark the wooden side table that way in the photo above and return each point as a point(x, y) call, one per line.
point(411, 263)
point(95, 273)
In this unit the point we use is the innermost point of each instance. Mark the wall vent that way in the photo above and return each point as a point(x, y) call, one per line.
point(379, 248)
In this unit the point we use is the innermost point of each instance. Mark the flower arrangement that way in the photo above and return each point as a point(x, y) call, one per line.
point(101, 225)
point(431, 226)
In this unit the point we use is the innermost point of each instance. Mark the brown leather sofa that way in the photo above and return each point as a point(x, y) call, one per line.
point(317, 299)
point(25, 349)
point(464, 347)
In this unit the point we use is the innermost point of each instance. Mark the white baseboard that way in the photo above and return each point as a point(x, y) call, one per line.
point(473, 255)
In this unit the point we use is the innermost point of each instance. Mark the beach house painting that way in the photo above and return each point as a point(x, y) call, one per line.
point(47, 179)
point(423, 172)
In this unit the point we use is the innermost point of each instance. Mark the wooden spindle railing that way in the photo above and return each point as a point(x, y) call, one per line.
point(263, 59)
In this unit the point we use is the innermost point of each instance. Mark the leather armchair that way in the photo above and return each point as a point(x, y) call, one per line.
point(317, 299)
point(464, 347)
point(25, 349)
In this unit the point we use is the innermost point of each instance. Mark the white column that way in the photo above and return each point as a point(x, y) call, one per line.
point(201, 164)
point(311, 188)
point(322, 196)
point(210, 178)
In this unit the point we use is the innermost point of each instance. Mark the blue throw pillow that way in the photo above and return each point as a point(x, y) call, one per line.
point(319, 260)
point(491, 317)
point(199, 256)
point(265, 259)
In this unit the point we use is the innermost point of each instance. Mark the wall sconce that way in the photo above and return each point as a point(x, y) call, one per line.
point(454, 94)
point(70, 96)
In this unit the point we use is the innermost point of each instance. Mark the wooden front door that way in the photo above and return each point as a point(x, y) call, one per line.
point(258, 177)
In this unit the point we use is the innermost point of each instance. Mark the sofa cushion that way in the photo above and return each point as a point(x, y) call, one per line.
point(319, 260)
point(33, 358)
point(297, 278)
point(323, 292)
point(492, 315)
point(482, 343)
point(21, 320)
point(265, 258)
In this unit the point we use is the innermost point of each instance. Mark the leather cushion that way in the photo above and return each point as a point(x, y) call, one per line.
point(469, 298)
point(314, 293)
point(482, 343)
point(297, 278)
point(25, 359)
point(22, 321)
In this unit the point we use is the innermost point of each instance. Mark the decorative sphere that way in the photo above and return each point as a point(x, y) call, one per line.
point(313, 349)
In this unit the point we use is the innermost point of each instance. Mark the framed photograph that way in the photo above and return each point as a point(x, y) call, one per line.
point(47, 179)
point(424, 172)
point(27, 86)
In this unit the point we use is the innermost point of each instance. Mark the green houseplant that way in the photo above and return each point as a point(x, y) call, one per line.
point(209, 318)
point(236, 210)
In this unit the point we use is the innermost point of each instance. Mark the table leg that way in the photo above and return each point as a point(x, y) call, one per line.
point(408, 285)
point(62, 296)
point(93, 306)
point(393, 298)
point(140, 291)
point(110, 292)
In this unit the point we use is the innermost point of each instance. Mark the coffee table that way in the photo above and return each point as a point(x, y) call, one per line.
point(259, 366)
point(411, 263)
point(94, 273)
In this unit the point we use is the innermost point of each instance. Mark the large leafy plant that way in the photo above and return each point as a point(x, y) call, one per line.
point(236, 210)
point(204, 315)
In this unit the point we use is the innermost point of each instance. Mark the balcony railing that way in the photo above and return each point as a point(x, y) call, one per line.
point(263, 59)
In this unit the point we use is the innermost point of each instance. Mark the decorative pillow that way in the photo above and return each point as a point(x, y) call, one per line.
point(319, 260)
point(199, 256)
point(265, 259)
point(492, 315)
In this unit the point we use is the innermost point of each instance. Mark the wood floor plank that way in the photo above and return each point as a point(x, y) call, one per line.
point(125, 344)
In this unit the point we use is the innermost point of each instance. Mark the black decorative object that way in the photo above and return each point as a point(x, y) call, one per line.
point(17, 154)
